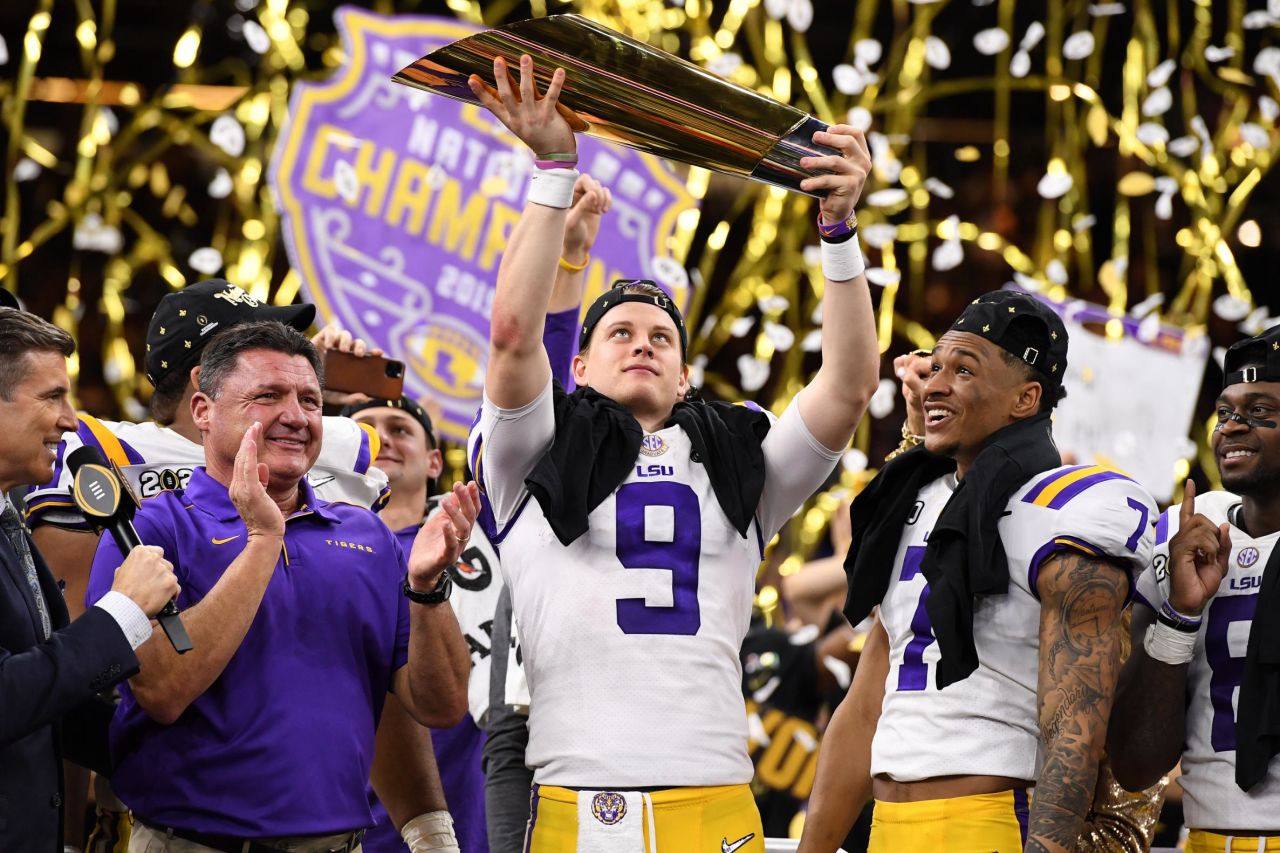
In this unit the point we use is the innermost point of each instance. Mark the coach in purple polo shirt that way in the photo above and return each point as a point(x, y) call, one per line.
point(299, 613)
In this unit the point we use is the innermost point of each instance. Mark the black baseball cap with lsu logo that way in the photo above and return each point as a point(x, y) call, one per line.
point(188, 319)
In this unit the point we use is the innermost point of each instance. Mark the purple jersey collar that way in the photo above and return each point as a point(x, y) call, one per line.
point(211, 496)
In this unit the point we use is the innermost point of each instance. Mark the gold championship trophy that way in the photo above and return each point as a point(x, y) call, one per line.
point(624, 91)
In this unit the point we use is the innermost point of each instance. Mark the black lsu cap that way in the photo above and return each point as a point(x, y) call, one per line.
point(1021, 325)
point(616, 295)
point(406, 404)
point(1255, 359)
point(187, 319)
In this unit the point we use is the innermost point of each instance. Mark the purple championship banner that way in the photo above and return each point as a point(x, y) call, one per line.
point(398, 204)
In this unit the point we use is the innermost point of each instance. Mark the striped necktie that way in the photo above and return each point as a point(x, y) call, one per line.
point(16, 532)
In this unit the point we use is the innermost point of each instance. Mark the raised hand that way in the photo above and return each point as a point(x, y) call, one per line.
point(849, 171)
point(1198, 555)
point(443, 538)
point(539, 122)
point(914, 369)
point(248, 490)
point(334, 337)
point(591, 200)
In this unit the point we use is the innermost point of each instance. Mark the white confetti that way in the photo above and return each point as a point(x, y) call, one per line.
point(1231, 308)
point(1147, 305)
point(1084, 223)
point(1149, 328)
point(246, 5)
point(1054, 184)
point(1026, 282)
point(1103, 10)
point(740, 326)
point(754, 373)
point(884, 399)
point(1020, 65)
point(841, 671)
point(983, 2)
point(1258, 20)
point(1257, 322)
point(4, 51)
point(812, 342)
point(947, 256)
point(227, 134)
point(25, 170)
point(756, 732)
point(854, 460)
point(859, 118)
point(1256, 135)
point(938, 188)
point(887, 197)
point(1032, 37)
point(812, 257)
point(867, 51)
point(670, 273)
point(256, 37)
point(1273, 9)
point(1078, 45)
point(94, 235)
point(1164, 207)
point(725, 64)
point(882, 276)
point(990, 42)
point(936, 53)
point(777, 9)
point(1267, 62)
point(1183, 146)
point(206, 261)
point(781, 336)
point(775, 304)
point(1160, 75)
point(1268, 108)
point(1056, 271)
point(848, 80)
point(1218, 54)
point(346, 181)
point(1166, 184)
point(1149, 133)
point(1157, 103)
point(800, 15)
point(221, 185)
point(878, 235)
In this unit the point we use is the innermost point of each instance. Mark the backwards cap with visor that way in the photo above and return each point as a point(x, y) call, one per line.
point(1255, 359)
point(615, 296)
point(1022, 326)
point(406, 404)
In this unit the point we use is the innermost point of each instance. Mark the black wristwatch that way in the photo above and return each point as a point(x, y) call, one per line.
point(444, 589)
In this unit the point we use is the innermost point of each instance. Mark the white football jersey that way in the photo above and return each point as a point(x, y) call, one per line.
point(1212, 799)
point(155, 458)
point(987, 724)
point(477, 583)
point(631, 633)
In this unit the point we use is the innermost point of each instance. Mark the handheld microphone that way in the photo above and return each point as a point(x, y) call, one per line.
point(106, 500)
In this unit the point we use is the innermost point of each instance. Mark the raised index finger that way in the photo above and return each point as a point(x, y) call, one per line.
point(1187, 511)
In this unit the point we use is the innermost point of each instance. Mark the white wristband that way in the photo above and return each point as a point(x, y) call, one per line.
point(552, 187)
point(432, 831)
point(842, 261)
point(1169, 645)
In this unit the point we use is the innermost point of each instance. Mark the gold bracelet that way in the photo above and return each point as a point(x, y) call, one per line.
point(909, 440)
point(565, 265)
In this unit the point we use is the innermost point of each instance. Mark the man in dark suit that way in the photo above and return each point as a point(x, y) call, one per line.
point(51, 668)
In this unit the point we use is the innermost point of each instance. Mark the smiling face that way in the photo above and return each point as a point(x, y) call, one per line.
point(34, 419)
point(406, 455)
point(282, 392)
point(634, 358)
point(972, 392)
point(1248, 457)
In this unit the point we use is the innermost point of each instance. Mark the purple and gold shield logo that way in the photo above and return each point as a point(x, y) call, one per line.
point(609, 807)
point(398, 205)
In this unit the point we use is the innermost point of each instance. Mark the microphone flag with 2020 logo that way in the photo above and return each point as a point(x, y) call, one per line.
point(398, 206)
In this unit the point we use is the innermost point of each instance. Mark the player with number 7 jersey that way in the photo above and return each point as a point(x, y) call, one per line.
point(1000, 577)
point(1202, 684)
point(631, 519)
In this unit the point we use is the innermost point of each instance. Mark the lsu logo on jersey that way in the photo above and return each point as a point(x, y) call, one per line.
point(152, 482)
point(608, 807)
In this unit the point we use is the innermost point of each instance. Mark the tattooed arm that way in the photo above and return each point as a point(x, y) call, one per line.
point(1081, 601)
